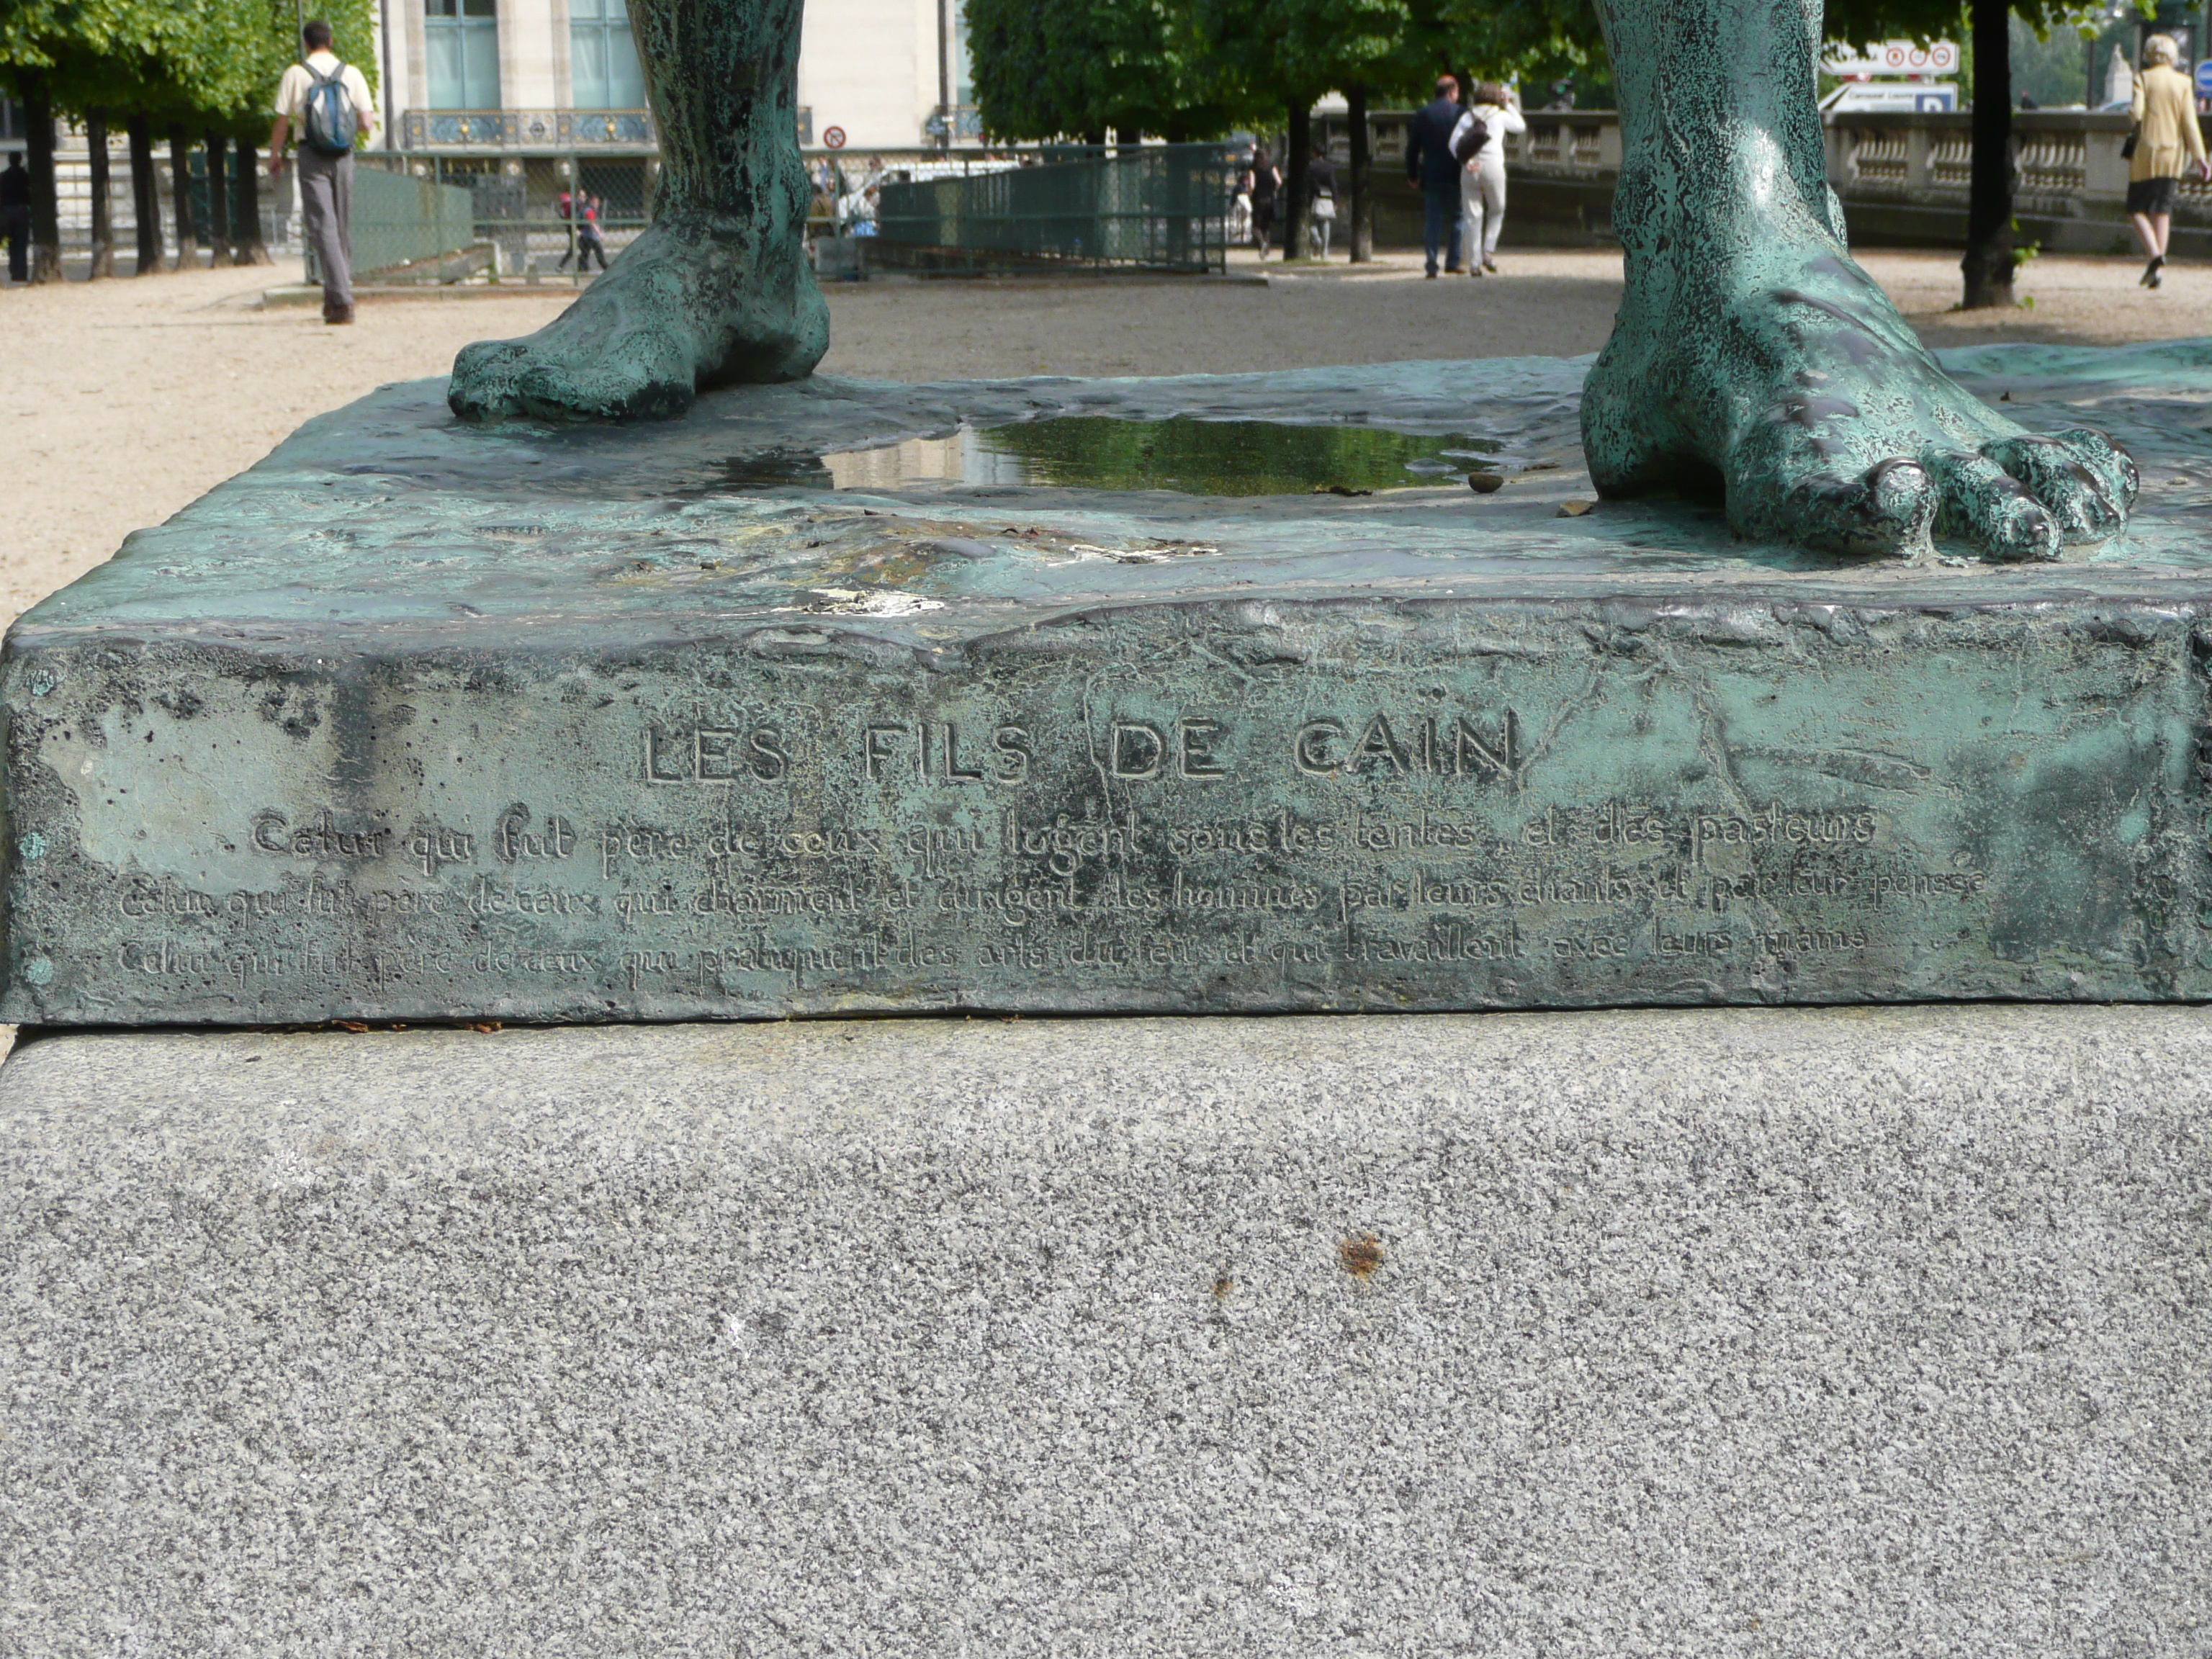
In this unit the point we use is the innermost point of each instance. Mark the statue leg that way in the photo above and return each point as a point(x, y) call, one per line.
point(718, 290)
point(1750, 349)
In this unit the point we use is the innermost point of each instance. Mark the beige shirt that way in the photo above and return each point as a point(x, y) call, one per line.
point(292, 91)
point(2165, 105)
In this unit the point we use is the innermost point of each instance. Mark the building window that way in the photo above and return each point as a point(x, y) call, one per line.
point(461, 39)
point(963, 71)
point(603, 68)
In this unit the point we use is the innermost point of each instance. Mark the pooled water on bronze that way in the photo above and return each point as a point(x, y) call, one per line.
point(1183, 453)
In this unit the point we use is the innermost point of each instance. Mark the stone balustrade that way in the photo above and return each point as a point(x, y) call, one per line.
point(628, 131)
point(1904, 177)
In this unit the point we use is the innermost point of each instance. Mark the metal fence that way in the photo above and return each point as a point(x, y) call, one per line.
point(536, 219)
point(403, 229)
point(1160, 207)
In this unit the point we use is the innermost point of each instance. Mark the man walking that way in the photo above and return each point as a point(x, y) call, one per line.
point(1430, 164)
point(329, 100)
point(16, 216)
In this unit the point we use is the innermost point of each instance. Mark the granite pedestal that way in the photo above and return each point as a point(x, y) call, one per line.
point(1798, 1332)
point(415, 720)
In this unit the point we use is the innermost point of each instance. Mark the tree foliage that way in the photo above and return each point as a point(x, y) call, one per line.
point(1049, 69)
point(1053, 68)
point(210, 64)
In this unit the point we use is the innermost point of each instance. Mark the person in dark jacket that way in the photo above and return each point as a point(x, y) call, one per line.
point(1429, 163)
point(1266, 179)
point(15, 217)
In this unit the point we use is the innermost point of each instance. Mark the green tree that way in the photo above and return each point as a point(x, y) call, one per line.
point(1086, 68)
point(208, 69)
point(56, 56)
point(1992, 256)
point(1508, 40)
point(1272, 60)
point(1367, 50)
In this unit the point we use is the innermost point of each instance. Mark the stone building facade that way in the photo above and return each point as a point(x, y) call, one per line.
point(492, 78)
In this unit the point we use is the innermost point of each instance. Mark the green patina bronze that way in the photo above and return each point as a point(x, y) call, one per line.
point(1752, 359)
point(423, 720)
point(1753, 356)
point(718, 290)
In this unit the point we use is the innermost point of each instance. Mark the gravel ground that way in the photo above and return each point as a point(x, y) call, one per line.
point(122, 401)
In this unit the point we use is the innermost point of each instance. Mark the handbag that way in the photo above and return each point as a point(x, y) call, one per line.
point(2127, 145)
point(1324, 207)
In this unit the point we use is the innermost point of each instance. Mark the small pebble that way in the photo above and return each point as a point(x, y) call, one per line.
point(1574, 509)
point(1485, 483)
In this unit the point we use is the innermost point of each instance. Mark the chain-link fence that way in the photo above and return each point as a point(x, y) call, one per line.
point(534, 219)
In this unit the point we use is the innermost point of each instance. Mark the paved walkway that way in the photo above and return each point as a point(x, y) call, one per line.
point(121, 401)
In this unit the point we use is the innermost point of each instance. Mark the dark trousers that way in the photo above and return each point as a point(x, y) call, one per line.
point(16, 227)
point(587, 244)
point(1442, 220)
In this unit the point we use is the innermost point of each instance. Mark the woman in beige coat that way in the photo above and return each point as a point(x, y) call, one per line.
point(2167, 138)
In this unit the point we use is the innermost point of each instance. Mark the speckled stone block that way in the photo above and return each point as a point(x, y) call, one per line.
point(1792, 1333)
point(416, 721)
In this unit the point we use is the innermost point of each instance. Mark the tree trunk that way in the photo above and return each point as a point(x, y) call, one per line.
point(1297, 169)
point(46, 206)
point(103, 220)
point(145, 193)
point(1363, 194)
point(1989, 260)
point(180, 201)
point(218, 184)
point(246, 247)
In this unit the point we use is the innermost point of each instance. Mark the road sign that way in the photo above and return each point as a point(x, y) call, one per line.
point(2204, 79)
point(834, 137)
point(1890, 58)
point(1857, 97)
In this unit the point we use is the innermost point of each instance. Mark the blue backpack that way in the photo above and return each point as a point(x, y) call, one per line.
point(328, 127)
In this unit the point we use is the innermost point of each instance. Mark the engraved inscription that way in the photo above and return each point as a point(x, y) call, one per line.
point(1350, 824)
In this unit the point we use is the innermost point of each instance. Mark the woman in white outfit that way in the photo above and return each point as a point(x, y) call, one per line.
point(1482, 179)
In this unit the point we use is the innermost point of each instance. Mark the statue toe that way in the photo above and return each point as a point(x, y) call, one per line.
point(1887, 508)
point(2088, 507)
point(1985, 504)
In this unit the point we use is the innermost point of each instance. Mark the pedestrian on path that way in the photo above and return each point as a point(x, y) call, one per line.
point(588, 245)
point(1493, 111)
point(2166, 138)
point(330, 102)
point(1321, 202)
point(1266, 179)
point(16, 216)
point(1430, 164)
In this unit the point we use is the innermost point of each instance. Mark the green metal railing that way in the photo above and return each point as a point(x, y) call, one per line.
point(445, 219)
point(1163, 207)
point(403, 227)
